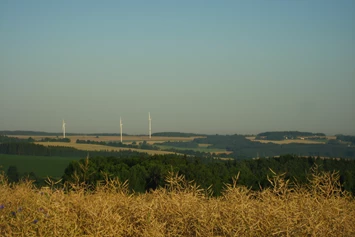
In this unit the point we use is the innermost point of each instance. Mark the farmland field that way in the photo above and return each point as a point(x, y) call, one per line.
point(96, 147)
point(288, 141)
point(42, 166)
point(126, 140)
point(204, 145)
point(200, 149)
point(115, 138)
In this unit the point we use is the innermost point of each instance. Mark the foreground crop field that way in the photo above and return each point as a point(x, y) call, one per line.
point(180, 209)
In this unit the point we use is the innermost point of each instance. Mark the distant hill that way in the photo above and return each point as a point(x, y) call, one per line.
point(346, 138)
point(106, 134)
point(39, 133)
point(176, 134)
point(286, 135)
point(243, 148)
point(29, 133)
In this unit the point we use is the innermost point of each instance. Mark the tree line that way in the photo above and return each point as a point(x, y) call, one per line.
point(192, 144)
point(344, 138)
point(243, 148)
point(48, 139)
point(238, 145)
point(286, 135)
point(146, 173)
point(142, 145)
point(7, 139)
point(32, 149)
point(176, 134)
point(14, 176)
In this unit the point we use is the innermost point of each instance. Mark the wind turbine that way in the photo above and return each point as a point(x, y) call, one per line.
point(150, 125)
point(63, 128)
point(121, 124)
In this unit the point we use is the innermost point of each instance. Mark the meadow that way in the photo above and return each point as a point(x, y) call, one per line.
point(179, 209)
point(42, 166)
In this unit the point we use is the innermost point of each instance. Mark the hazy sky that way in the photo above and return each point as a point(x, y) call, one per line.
point(197, 66)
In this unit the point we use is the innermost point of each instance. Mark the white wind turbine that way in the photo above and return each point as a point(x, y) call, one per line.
point(63, 128)
point(150, 125)
point(121, 124)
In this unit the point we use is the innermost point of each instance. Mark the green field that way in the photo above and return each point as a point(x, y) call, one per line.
point(200, 149)
point(42, 166)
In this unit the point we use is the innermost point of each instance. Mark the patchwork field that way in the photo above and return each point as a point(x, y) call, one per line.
point(155, 140)
point(288, 141)
point(200, 149)
point(95, 147)
point(116, 138)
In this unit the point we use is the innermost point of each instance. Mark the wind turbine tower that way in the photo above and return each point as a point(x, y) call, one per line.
point(121, 124)
point(150, 125)
point(63, 128)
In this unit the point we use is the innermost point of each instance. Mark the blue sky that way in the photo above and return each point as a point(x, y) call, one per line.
point(197, 66)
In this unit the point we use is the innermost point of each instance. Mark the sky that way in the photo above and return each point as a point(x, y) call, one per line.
point(210, 67)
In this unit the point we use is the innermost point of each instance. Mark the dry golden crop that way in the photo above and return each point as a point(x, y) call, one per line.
point(179, 209)
point(96, 147)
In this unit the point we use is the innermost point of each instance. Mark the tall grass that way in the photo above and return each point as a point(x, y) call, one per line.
point(179, 209)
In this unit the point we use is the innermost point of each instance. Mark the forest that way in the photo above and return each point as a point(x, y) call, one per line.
point(49, 139)
point(146, 173)
point(6, 139)
point(31, 149)
point(243, 148)
point(240, 147)
point(286, 135)
point(344, 138)
point(192, 144)
point(176, 134)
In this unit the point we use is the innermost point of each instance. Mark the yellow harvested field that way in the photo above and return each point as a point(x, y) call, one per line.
point(204, 145)
point(331, 137)
point(222, 152)
point(250, 138)
point(180, 209)
point(95, 147)
point(286, 141)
